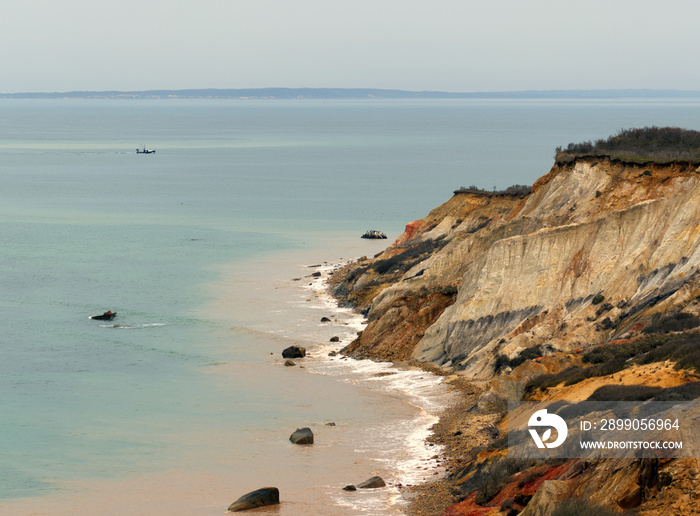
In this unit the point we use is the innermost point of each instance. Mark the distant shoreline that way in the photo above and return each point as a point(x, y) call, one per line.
point(356, 93)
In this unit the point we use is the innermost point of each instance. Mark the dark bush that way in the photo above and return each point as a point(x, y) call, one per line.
point(526, 354)
point(680, 321)
point(574, 375)
point(609, 352)
point(605, 307)
point(683, 349)
point(624, 393)
point(649, 143)
point(685, 392)
point(511, 191)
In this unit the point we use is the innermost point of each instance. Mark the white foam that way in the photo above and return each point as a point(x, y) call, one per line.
point(403, 448)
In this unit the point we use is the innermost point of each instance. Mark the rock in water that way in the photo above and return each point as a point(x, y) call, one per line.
point(374, 234)
point(258, 498)
point(294, 352)
point(302, 436)
point(372, 483)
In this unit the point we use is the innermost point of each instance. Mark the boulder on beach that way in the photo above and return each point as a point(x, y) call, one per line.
point(335, 339)
point(372, 483)
point(302, 436)
point(294, 352)
point(350, 488)
point(289, 363)
point(254, 499)
point(325, 319)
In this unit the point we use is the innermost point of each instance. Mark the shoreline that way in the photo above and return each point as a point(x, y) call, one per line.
point(454, 434)
point(432, 461)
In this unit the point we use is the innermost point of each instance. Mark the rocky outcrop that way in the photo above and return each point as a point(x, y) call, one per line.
point(258, 498)
point(374, 234)
point(483, 276)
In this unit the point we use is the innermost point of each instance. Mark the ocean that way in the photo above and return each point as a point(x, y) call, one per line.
point(205, 249)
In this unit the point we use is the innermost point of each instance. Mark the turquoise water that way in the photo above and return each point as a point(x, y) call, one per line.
point(235, 190)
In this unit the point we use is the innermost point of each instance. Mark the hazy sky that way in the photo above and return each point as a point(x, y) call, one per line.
point(449, 45)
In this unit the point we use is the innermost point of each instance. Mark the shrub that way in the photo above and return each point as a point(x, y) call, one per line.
point(610, 352)
point(685, 392)
point(511, 191)
point(649, 143)
point(597, 299)
point(525, 354)
point(680, 321)
point(683, 349)
point(574, 375)
point(624, 393)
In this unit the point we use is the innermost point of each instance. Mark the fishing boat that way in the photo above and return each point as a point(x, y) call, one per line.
point(144, 150)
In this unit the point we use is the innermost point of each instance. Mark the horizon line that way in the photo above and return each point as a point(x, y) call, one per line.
point(313, 92)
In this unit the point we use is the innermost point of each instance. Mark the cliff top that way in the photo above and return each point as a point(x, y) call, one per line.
point(649, 144)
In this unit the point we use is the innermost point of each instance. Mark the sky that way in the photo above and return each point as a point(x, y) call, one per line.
point(445, 45)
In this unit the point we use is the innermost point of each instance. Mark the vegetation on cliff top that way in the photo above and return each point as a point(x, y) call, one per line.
point(658, 144)
point(512, 191)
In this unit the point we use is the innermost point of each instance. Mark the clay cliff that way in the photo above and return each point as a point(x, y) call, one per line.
point(595, 253)
point(591, 280)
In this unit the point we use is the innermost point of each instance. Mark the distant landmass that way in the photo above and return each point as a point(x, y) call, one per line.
point(352, 93)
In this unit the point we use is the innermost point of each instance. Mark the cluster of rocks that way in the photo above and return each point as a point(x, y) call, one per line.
point(293, 352)
point(371, 483)
point(374, 234)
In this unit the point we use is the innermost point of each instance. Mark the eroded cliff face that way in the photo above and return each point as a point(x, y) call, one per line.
point(593, 254)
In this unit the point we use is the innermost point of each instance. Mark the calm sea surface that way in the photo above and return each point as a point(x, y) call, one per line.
point(181, 403)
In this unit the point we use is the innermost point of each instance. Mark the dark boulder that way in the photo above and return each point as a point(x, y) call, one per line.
point(302, 436)
point(289, 363)
point(350, 488)
point(372, 483)
point(254, 499)
point(325, 319)
point(294, 352)
point(335, 339)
